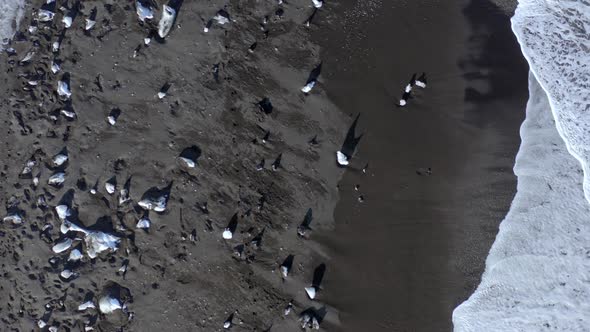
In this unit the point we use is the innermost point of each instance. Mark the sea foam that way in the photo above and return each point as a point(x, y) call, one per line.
point(11, 12)
point(537, 275)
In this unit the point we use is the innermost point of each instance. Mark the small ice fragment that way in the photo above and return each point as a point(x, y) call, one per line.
point(288, 308)
point(147, 40)
point(311, 292)
point(63, 211)
point(161, 94)
point(14, 218)
point(123, 268)
point(402, 102)
point(59, 159)
point(75, 255)
point(28, 167)
point(89, 24)
point(144, 12)
point(27, 57)
point(317, 3)
point(109, 187)
point(86, 305)
point(123, 196)
point(158, 205)
point(55, 67)
point(307, 88)
point(284, 271)
point(55, 46)
point(168, 15)
point(68, 226)
point(341, 158)
point(67, 274)
point(421, 81)
point(57, 179)
point(111, 119)
point(45, 15)
point(41, 323)
point(108, 304)
point(32, 29)
point(187, 162)
point(63, 89)
point(62, 246)
point(227, 234)
point(68, 114)
point(222, 17)
point(67, 21)
point(143, 223)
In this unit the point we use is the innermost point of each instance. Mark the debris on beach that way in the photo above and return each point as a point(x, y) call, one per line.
point(144, 10)
point(341, 158)
point(307, 88)
point(421, 81)
point(168, 17)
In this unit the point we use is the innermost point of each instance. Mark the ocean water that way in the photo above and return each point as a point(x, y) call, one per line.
point(537, 275)
point(11, 12)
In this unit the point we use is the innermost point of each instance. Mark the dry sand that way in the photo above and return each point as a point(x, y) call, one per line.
point(181, 275)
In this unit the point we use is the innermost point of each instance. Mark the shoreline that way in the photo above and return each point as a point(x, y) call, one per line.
point(416, 248)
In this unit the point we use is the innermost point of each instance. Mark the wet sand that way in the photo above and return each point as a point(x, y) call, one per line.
point(415, 248)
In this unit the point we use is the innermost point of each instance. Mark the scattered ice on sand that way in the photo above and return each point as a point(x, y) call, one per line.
point(57, 179)
point(222, 17)
point(144, 12)
point(62, 246)
point(311, 292)
point(89, 24)
point(227, 234)
point(108, 304)
point(67, 274)
point(341, 158)
point(143, 223)
point(97, 242)
point(86, 305)
point(62, 211)
point(14, 218)
point(157, 204)
point(59, 159)
point(187, 162)
point(67, 21)
point(75, 255)
point(27, 57)
point(317, 3)
point(63, 89)
point(45, 15)
point(109, 187)
point(307, 88)
point(168, 15)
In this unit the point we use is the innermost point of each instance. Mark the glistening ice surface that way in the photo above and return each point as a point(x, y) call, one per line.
point(537, 274)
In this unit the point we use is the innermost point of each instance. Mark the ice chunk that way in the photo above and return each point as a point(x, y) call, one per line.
point(307, 88)
point(86, 305)
point(227, 234)
point(63, 89)
point(168, 15)
point(97, 242)
point(62, 246)
point(14, 218)
point(57, 179)
point(108, 304)
point(341, 158)
point(144, 12)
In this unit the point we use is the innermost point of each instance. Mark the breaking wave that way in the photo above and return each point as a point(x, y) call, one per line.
point(537, 275)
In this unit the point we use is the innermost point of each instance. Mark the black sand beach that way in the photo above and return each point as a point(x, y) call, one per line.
point(180, 275)
point(399, 261)
point(415, 248)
